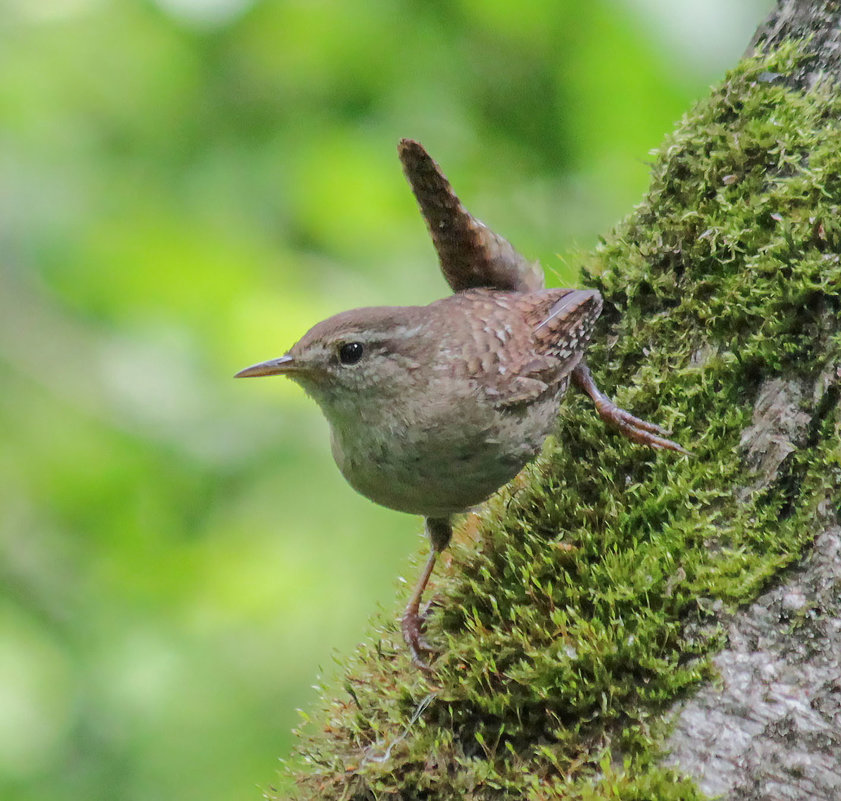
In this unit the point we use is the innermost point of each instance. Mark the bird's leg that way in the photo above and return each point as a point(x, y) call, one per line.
point(439, 530)
point(632, 427)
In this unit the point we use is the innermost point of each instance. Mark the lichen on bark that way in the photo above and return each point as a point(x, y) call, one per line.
point(588, 596)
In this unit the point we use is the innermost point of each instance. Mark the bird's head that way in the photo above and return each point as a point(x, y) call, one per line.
point(354, 359)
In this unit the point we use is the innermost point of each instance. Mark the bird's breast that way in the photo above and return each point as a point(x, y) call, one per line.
point(436, 464)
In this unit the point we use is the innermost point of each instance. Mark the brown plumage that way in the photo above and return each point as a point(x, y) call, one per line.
point(433, 408)
point(470, 254)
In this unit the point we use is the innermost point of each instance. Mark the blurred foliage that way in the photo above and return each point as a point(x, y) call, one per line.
point(186, 187)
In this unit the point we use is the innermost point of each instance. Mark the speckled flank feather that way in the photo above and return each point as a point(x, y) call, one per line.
point(518, 363)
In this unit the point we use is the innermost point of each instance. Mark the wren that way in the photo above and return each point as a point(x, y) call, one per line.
point(433, 408)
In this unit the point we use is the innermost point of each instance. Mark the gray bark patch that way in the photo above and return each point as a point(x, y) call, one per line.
point(779, 424)
point(771, 728)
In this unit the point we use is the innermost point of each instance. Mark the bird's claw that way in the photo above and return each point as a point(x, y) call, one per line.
point(636, 429)
point(432, 603)
point(632, 427)
point(412, 628)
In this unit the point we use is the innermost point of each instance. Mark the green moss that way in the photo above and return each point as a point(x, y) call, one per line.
point(587, 602)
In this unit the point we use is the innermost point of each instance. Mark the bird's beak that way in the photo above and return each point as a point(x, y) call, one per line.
point(281, 366)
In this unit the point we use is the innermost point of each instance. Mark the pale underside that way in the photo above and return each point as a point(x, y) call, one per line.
point(454, 463)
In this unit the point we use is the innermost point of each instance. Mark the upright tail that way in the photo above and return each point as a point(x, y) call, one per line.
point(471, 255)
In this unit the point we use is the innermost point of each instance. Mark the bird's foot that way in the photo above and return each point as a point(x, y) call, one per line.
point(636, 429)
point(412, 626)
point(632, 427)
point(413, 620)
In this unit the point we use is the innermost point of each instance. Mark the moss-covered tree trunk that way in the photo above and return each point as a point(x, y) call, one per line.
point(614, 589)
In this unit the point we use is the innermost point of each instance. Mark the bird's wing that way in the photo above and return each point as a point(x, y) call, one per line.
point(471, 255)
point(558, 327)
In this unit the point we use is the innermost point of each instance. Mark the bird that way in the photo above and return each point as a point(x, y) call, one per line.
point(433, 408)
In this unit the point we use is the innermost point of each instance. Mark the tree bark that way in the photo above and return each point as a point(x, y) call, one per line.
point(611, 593)
point(802, 20)
point(770, 728)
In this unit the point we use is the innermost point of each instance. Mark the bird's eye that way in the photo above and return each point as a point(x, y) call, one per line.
point(351, 352)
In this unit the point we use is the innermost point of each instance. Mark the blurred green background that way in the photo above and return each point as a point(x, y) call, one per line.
point(185, 187)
